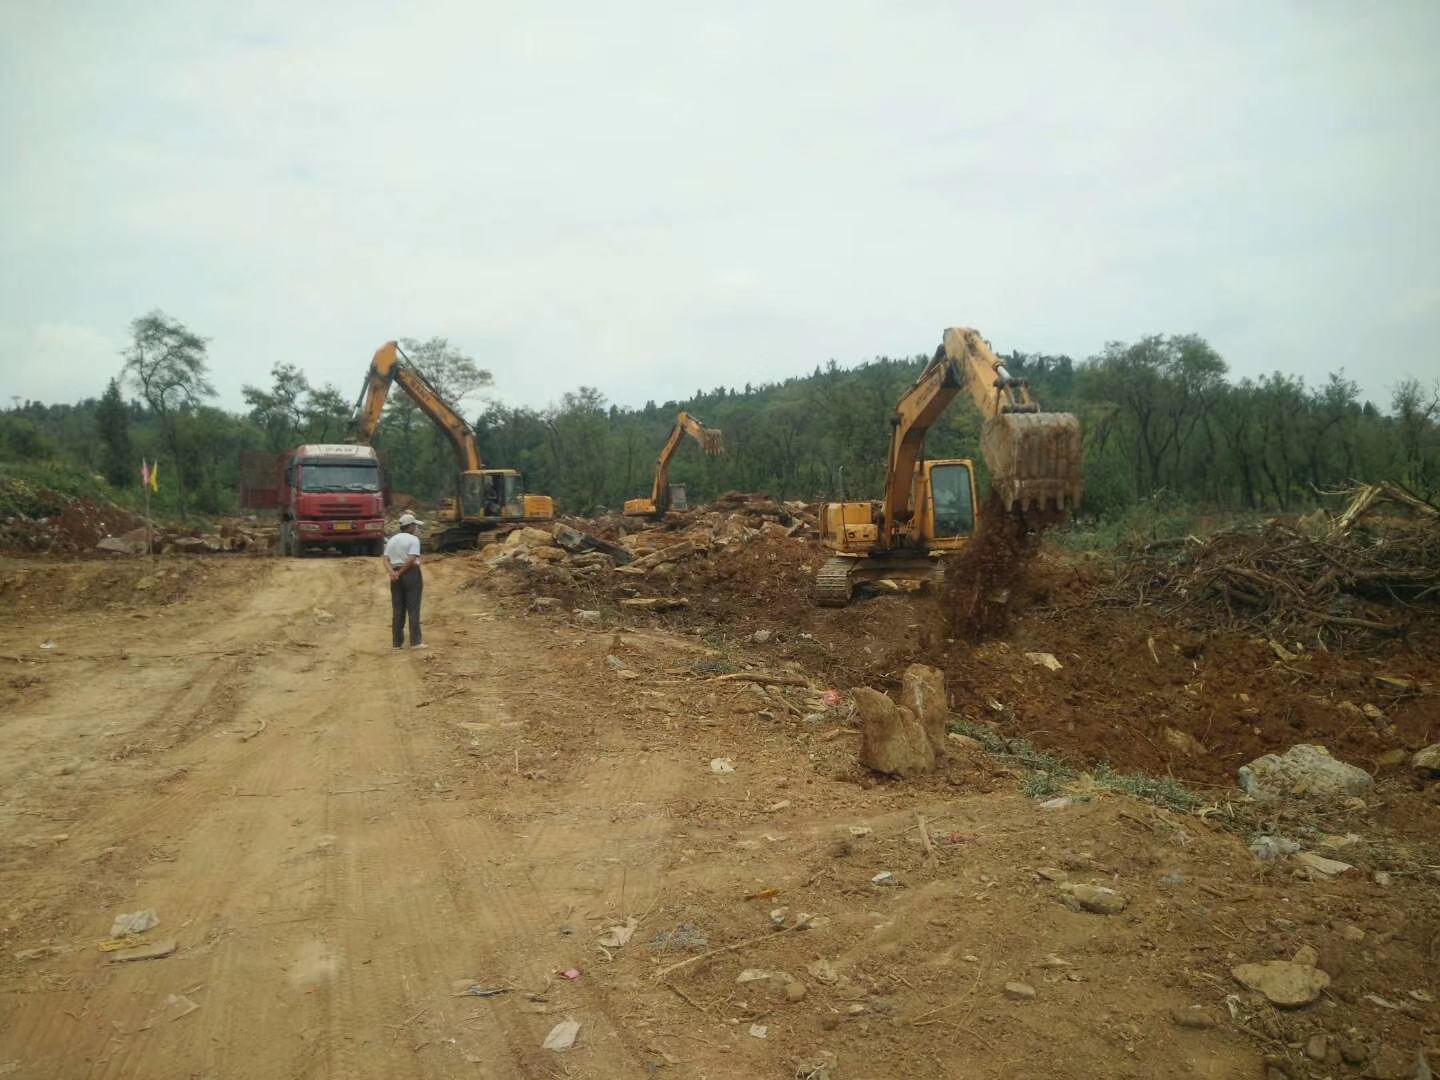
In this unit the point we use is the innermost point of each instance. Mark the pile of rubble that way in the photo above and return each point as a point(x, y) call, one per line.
point(38, 521)
point(630, 557)
point(250, 536)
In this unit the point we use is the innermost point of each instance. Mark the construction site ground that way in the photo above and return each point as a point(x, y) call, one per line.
point(390, 864)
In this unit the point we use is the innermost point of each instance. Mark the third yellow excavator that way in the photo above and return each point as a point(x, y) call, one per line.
point(930, 508)
point(664, 495)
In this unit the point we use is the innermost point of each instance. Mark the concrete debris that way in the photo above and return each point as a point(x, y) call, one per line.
point(1283, 982)
point(1019, 991)
point(1302, 770)
point(1321, 866)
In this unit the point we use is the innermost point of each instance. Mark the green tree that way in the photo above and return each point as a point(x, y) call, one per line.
point(112, 424)
point(166, 363)
point(280, 410)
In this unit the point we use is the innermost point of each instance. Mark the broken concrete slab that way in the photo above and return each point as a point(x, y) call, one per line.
point(1302, 770)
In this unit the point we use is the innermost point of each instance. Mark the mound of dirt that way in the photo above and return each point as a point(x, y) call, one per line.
point(45, 522)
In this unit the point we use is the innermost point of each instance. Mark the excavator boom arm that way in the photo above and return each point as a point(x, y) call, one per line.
point(1033, 457)
point(390, 365)
point(709, 439)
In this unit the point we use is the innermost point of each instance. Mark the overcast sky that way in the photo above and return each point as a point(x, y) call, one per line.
point(650, 197)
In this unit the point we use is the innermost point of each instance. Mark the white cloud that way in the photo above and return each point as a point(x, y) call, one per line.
point(648, 198)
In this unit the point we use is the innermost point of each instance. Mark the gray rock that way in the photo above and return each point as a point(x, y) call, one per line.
point(760, 637)
point(587, 617)
point(1283, 982)
point(1302, 770)
point(1427, 762)
point(892, 740)
point(1019, 991)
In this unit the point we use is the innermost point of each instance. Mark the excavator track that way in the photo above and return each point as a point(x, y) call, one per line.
point(833, 587)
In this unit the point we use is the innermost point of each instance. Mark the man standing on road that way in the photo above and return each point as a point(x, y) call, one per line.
point(402, 563)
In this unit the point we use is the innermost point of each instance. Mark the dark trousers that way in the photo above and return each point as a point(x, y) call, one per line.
point(405, 601)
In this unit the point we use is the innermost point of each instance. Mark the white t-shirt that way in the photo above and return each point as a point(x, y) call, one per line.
point(400, 547)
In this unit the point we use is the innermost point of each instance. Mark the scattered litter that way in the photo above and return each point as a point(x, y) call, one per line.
point(322, 616)
point(959, 838)
point(759, 1031)
point(885, 877)
point(760, 637)
point(569, 973)
point(47, 644)
point(153, 951)
point(684, 937)
point(1045, 660)
point(778, 916)
point(763, 894)
point(1270, 848)
point(136, 923)
point(860, 830)
point(475, 990)
point(614, 663)
point(1376, 999)
point(562, 1036)
point(616, 936)
point(1058, 803)
point(832, 698)
point(783, 804)
point(722, 765)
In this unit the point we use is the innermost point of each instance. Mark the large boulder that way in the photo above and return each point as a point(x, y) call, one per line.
point(922, 691)
point(892, 740)
point(1302, 770)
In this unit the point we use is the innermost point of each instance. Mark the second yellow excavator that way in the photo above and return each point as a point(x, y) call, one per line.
point(664, 495)
point(485, 499)
point(930, 508)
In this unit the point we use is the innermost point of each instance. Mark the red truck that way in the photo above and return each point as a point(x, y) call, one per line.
point(326, 494)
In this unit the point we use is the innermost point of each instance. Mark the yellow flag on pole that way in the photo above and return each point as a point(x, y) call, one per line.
point(155, 477)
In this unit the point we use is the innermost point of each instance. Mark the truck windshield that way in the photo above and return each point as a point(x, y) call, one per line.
point(346, 476)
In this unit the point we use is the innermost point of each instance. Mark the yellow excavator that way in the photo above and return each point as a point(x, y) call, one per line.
point(665, 495)
point(930, 508)
point(485, 499)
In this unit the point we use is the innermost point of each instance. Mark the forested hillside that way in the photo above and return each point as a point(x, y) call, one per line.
point(1160, 415)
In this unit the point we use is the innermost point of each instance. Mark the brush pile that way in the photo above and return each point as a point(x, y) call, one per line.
point(1356, 574)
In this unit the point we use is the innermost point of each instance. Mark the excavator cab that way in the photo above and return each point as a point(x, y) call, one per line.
point(950, 509)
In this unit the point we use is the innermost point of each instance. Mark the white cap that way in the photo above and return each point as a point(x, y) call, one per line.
point(407, 518)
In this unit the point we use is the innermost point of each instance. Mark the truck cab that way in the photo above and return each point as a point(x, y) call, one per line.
point(331, 495)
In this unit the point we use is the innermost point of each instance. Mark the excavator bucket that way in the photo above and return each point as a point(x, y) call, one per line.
point(1034, 460)
point(710, 441)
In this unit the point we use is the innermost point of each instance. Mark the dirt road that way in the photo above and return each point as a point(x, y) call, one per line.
point(341, 840)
